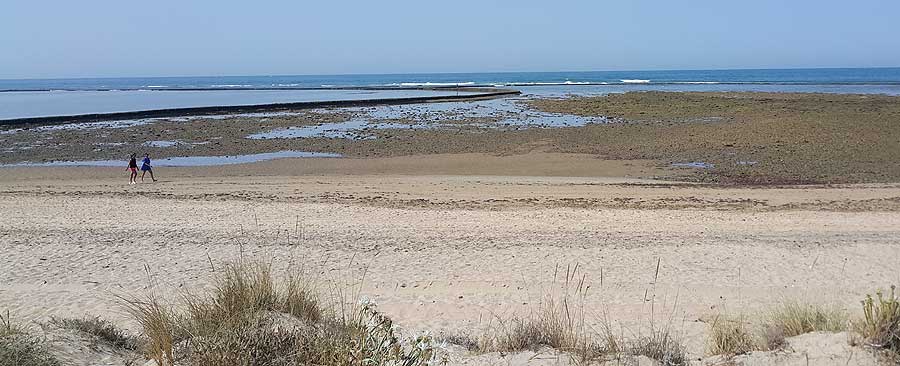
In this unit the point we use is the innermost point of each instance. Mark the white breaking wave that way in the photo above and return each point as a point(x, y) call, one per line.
point(635, 81)
point(436, 84)
point(540, 83)
point(534, 83)
point(230, 86)
point(157, 86)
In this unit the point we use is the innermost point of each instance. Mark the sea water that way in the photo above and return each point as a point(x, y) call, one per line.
point(51, 97)
point(850, 76)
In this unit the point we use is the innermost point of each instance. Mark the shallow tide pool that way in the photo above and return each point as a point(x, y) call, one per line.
point(183, 161)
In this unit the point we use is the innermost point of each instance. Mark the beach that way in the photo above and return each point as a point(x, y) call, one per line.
point(465, 183)
point(453, 229)
point(448, 252)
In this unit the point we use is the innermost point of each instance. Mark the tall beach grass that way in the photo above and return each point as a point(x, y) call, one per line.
point(250, 318)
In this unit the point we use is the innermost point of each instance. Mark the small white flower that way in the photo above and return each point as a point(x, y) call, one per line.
point(423, 346)
point(443, 345)
point(365, 301)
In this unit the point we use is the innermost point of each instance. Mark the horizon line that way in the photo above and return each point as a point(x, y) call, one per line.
point(441, 73)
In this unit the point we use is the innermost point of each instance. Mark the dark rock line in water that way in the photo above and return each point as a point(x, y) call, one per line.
point(468, 88)
point(480, 94)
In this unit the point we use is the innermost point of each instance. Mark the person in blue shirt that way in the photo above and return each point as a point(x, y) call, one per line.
point(145, 167)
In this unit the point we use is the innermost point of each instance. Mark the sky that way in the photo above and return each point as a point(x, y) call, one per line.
point(115, 38)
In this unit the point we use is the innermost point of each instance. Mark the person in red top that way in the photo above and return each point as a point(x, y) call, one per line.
point(132, 166)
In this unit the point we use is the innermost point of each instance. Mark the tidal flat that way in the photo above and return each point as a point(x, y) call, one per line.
point(727, 138)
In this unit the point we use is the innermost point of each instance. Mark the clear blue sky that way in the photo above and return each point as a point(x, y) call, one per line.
point(108, 38)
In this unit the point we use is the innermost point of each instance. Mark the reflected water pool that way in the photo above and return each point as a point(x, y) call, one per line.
point(185, 161)
point(502, 113)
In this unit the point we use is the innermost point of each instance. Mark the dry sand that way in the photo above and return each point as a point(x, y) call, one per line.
point(450, 249)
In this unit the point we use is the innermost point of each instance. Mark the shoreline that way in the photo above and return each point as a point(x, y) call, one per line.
point(478, 94)
point(536, 181)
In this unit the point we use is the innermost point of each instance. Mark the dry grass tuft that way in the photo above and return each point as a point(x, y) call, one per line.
point(100, 330)
point(159, 326)
point(243, 289)
point(794, 319)
point(661, 346)
point(558, 323)
point(547, 328)
point(18, 347)
point(463, 340)
point(788, 319)
point(730, 338)
point(248, 318)
point(880, 326)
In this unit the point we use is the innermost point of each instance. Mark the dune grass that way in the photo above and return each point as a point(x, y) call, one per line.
point(99, 329)
point(584, 346)
point(18, 347)
point(559, 322)
point(555, 325)
point(730, 337)
point(795, 318)
point(880, 326)
point(767, 331)
point(250, 318)
point(662, 346)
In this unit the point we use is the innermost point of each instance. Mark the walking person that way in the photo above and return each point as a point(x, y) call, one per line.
point(132, 166)
point(145, 167)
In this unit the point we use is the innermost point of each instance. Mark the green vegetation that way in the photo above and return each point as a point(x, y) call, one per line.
point(100, 330)
point(18, 347)
point(794, 318)
point(727, 337)
point(248, 319)
point(880, 326)
point(559, 323)
point(789, 319)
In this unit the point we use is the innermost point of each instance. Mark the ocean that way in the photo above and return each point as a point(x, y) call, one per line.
point(849, 76)
point(47, 97)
